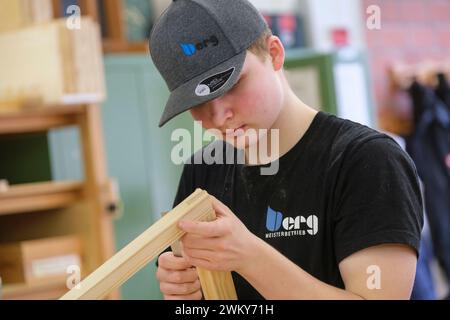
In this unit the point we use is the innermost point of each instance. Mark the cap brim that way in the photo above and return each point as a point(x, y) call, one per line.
point(184, 97)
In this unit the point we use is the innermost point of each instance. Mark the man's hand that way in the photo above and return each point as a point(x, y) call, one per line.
point(224, 244)
point(178, 279)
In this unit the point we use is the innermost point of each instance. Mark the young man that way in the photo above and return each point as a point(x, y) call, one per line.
point(341, 216)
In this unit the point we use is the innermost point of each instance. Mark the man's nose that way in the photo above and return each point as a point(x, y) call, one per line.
point(220, 112)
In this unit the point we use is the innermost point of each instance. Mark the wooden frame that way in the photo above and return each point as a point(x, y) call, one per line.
point(216, 285)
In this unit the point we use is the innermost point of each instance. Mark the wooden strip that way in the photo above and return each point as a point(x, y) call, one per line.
point(145, 248)
point(216, 285)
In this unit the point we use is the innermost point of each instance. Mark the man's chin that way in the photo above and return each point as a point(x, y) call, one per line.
point(243, 143)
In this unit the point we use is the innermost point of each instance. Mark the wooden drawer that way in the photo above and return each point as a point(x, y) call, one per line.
point(39, 261)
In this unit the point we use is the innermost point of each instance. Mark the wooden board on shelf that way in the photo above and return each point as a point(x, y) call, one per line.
point(11, 16)
point(39, 196)
point(147, 246)
point(75, 219)
point(18, 14)
point(39, 261)
point(52, 63)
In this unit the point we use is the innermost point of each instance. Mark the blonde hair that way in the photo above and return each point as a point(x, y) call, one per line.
point(259, 47)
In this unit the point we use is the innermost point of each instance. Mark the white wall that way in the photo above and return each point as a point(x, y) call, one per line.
point(324, 15)
point(275, 6)
point(321, 16)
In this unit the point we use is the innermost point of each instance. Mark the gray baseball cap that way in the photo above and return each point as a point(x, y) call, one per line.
point(199, 47)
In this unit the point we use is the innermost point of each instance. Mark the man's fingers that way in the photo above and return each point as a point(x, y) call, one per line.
point(188, 275)
point(199, 254)
point(193, 241)
point(203, 263)
point(203, 228)
point(193, 296)
point(168, 261)
point(180, 288)
point(216, 228)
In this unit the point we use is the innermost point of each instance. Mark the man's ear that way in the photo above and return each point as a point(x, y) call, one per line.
point(276, 52)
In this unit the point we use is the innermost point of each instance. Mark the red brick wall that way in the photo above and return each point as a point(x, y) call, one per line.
point(411, 31)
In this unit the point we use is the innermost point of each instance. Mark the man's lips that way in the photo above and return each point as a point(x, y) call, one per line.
point(236, 132)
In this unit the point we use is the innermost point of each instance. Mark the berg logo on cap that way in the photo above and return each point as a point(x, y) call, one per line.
point(189, 49)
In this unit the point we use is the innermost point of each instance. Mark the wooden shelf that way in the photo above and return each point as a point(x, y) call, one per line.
point(46, 291)
point(39, 118)
point(39, 196)
point(114, 46)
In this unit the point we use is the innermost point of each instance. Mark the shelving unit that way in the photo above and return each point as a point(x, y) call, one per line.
point(110, 14)
point(50, 209)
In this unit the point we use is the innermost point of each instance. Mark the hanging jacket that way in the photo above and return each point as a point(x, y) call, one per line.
point(443, 89)
point(429, 146)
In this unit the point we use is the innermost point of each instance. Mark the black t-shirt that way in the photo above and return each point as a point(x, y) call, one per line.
point(342, 188)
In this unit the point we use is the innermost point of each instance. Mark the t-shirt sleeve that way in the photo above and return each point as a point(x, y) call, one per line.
point(378, 199)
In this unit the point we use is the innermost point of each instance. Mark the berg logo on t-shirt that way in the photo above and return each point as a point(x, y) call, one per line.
point(290, 226)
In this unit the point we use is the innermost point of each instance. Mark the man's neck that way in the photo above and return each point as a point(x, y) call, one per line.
point(292, 123)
